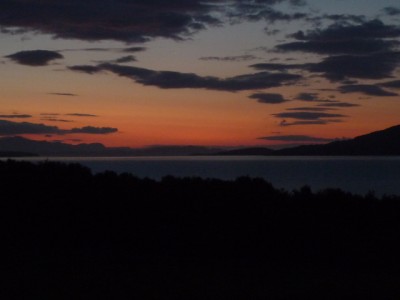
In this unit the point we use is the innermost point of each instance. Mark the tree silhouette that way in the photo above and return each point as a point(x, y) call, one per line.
point(71, 234)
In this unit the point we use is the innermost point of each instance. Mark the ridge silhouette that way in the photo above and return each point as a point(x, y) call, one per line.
point(383, 142)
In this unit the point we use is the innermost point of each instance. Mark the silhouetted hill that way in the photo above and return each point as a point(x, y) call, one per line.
point(69, 234)
point(247, 151)
point(48, 148)
point(384, 142)
point(45, 148)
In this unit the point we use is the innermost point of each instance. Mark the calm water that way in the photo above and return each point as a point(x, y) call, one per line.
point(355, 174)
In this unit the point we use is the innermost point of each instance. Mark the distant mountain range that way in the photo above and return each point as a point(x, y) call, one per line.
point(384, 142)
point(16, 146)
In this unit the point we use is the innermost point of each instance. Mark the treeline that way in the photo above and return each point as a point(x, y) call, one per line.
point(71, 234)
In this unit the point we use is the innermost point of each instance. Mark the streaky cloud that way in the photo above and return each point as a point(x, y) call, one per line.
point(285, 123)
point(229, 58)
point(85, 69)
point(126, 59)
point(366, 89)
point(81, 115)
point(306, 108)
point(339, 47)
point(296, 138)
point(312, 97)
point(343, 38)
point(53, 119)
point(341, 67)
point(11, 128)
point(134, 49)
point(64, 94)
point(307, 115)
point(15, 116)
point(276, 66)
point(339, 104)
point(268, 98)
point(15, 128)
point(178, 80)
point(391, 84)
point(93, 130)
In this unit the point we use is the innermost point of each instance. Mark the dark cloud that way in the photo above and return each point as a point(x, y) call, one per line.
point(81, 115)
point(34, 57)
point(230, 58)
point(85, 69)
point(309, 109)
point(89, 49)
point(353, 50)
point(93, 130)
point(338, 104)
point(121, 60)
point(177, 80)
point(306, 115)
point(353, 46)
point(296, 138)
point(15, 116)
point(343, 67)
point(343, 38)
point(284, 123)
point(268, 98)
point(391, 84)
point(366, 89)
point(262, 10)
point(392, 11)
point(98, 49)
point(307, 97)
point(276, 66)
point(133, 21)
point(309, 117)
point(312, 97)
point(13, 128)
point(125, 59)
point(366, 30)
point(338, 68)
point(271, 15)
point(64, 94)
point(340, 18)
point(53, 119)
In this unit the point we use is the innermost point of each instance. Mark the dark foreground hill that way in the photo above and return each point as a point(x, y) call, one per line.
point(384, 142)
point(68, 234)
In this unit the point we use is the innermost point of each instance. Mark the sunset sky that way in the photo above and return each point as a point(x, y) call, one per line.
point(189, 72)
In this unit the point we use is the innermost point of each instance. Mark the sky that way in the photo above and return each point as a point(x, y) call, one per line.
point(195, 72)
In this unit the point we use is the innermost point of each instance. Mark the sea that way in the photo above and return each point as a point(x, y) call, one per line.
point(361, 174)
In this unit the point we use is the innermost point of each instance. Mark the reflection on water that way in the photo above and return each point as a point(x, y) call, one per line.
point(354, 174)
